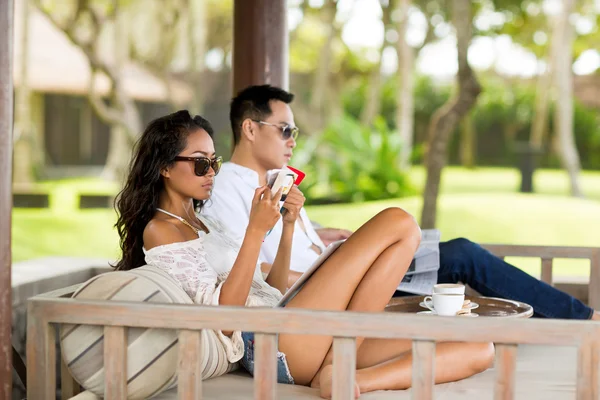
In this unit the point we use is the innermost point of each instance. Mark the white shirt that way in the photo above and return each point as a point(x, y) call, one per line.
point(201, 267)
point(231, 202)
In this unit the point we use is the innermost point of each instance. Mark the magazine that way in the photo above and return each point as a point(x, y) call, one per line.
point(329, 250)
point(423, 270)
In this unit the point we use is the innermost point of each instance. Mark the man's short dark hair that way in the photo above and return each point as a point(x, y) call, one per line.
point(253, 102)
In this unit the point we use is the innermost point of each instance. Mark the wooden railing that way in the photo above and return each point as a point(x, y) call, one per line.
point(343, 326)
point(548, 253)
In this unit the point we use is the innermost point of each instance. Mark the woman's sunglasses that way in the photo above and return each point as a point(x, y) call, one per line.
point(286, 130)
point(203, 164)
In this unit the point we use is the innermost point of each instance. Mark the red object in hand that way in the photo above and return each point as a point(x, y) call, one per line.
point(300, 174)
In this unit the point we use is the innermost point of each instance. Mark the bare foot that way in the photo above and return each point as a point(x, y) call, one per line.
point(326, 383)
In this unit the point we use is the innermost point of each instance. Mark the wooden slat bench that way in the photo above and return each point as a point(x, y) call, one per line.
point(582, 337)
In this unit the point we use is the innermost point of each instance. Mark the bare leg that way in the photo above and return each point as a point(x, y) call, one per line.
point(361, 276)
point(453, 362)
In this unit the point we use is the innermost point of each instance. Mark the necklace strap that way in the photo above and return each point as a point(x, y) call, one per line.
point(196, 230)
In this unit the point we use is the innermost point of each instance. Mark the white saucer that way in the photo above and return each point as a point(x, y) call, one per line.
point(471, 315)
point(471, 306)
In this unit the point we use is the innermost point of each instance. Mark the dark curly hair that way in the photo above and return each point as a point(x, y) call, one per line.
point(163, 139)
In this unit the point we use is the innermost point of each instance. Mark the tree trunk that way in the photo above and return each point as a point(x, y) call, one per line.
point(122, 135)
point(446, 118)
point(119, 154)
point(197, 35)
point(25, 140)
point(563, 114)
point(539, 125)
point(372, 104)
point(543, 93)
point(468, 142)
point(318, 101)
point(405, 97)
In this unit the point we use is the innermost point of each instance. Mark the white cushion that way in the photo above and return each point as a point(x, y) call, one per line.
point(151, 353)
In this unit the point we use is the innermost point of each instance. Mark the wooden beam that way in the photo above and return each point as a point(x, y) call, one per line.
point(260, 43)
point(6, 129)
point(296, 321)
point(514, 250)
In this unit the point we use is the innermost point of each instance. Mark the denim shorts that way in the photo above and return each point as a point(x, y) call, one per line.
point(247, 361)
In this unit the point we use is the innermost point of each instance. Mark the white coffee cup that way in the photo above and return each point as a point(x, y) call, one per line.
point(449, 288)
point(445, 303)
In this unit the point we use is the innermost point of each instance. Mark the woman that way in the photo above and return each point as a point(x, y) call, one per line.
point(172, 174)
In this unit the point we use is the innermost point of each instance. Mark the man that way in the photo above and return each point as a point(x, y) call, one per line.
point(264, 136)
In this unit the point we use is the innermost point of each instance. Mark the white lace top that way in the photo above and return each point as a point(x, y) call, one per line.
point(202, 265)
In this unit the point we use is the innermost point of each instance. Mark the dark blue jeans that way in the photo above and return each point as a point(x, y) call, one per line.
point(467, 262)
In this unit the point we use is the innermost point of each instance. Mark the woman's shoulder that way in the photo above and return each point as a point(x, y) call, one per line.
point(159, 233)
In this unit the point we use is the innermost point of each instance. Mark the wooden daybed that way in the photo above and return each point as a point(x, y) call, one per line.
point(535, 359)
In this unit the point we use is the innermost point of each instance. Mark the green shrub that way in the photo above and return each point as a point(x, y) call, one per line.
point(352, 163)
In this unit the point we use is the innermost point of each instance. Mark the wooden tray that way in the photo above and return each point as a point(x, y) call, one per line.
point(488, 306)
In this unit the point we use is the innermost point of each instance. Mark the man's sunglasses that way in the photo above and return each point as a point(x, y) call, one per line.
point(286, 130)
point(203, 164)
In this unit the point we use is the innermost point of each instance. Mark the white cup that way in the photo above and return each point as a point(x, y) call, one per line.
point(449, 288)
point(445, 303)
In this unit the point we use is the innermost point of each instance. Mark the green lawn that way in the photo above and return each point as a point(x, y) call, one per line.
point(481, 205)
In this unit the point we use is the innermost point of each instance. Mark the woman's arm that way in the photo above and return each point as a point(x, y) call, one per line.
point(264, 214)
point(279, 274)
point(293, 276)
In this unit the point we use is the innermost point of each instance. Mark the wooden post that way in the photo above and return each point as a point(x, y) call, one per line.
point(265, 366)
point(585, 369)
point(260, 43)
point(594, 287)
point(189, 372)
point(41, 356)
point(506, 364)
point(115, 362)
point(423, 375)
point(547, 270)
point(6, 128)
point(344, 368)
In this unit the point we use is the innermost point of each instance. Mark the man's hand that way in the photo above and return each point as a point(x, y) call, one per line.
point(293, 204)
point(330, 235)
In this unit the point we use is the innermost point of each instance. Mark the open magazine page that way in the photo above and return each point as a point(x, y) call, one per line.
point(318, 262)
point(427, 257)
